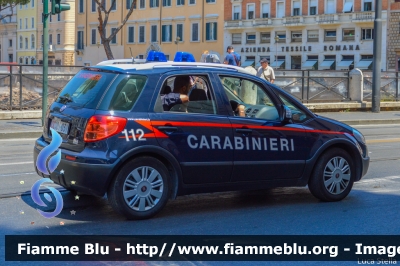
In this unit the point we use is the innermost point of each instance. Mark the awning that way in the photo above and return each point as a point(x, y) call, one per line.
point(277, 63)
point(309, 64)
point(248, 63)
point(348, 7)
point(364, 64)
point(326, 64)
point(345, 64)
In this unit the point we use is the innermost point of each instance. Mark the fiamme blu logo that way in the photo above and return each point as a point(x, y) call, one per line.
point(46, 164)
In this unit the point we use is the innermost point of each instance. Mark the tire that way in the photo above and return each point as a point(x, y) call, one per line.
point(333, 176)
point(151, 177)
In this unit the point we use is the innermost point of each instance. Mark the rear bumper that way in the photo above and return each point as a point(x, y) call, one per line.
point(91, 179)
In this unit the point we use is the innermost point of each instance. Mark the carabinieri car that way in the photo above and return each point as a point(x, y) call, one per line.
point(129, 133)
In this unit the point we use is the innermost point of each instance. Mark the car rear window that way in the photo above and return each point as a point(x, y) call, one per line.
point(124, 93)
point(86, 88)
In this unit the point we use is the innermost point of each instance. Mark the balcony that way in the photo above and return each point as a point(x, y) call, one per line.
point(233, 24)
point(363, 16)
point(262, 22)
point(293, 21)
point(327, 19)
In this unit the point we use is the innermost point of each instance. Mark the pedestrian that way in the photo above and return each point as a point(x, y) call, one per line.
point(204, 56)
point(265, 71)
point(232, 58)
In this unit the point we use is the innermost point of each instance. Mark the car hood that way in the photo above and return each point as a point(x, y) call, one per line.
point(332, 124)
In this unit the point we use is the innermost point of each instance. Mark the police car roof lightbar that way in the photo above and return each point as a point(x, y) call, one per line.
point(155, 56)
point(184, 57)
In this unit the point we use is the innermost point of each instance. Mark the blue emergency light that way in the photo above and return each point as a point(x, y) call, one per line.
point(155, 56)
point(184, 57)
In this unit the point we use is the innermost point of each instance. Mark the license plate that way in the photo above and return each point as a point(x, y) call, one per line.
point(59, 126)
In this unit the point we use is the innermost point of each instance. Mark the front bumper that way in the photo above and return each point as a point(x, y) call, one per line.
point(86, 178)
point(364, 167)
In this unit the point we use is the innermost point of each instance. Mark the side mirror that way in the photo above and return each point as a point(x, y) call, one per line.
point(286, 115)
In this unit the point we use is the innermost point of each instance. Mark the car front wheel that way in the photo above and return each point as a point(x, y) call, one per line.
point(140, 190)
point(333, 176)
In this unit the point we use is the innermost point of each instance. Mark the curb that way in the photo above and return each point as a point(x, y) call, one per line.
point(26, 114)
point(20, 135)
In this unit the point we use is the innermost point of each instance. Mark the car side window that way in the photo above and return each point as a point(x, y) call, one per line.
point(187, 94)
point(248, 99)
point(298, 116)
point(127, 92)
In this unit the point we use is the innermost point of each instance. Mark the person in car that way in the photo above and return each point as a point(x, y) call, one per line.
point(179, 95)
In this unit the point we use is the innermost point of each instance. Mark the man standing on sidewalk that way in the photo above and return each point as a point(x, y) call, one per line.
point(265, 71)
point(232, 58)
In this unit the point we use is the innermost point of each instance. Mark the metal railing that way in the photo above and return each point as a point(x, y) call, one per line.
point(390, 86)
point(334, 86)
point(21, 86)
point(315, 85)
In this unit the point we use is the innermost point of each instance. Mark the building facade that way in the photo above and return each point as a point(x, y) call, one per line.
point(27, 33)
point(305, 34)
point(393, 36)
point(61, 30)
point(165, 25)
point(8, 34)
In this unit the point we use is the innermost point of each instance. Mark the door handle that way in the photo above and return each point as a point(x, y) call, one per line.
point(168, 128)
point(244, 130)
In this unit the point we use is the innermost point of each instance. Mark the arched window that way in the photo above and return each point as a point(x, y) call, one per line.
point(21, 60)
point(20, 42)
point(33, 61)
point(26, 60)
point(32, 41)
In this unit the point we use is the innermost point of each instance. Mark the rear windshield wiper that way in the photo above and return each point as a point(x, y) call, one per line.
point(66, 99)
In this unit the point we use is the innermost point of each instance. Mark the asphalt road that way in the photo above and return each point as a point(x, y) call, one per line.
point(371, 208)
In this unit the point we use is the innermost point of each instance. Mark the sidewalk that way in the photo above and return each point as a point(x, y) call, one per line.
point(32, 128)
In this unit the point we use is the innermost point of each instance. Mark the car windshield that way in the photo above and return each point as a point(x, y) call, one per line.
point(85, 88)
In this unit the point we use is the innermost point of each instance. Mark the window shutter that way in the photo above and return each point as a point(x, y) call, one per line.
point(281, 10)
point(265, 8)
point(331, 9)
point(130, 34)
point(207, 31)
point(163, 33)
point(93, 36)
point(215, 30)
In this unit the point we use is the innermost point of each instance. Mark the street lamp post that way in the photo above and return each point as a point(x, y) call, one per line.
point(276, 51)
point(177, 40)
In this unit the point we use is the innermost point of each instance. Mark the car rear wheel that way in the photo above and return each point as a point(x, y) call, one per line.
point(333, 176)
point(141, 188)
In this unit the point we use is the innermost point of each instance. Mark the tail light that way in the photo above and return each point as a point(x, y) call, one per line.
point(101, 127)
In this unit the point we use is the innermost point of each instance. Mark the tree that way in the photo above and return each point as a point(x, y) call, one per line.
point(103, 24)
point(4, 4)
